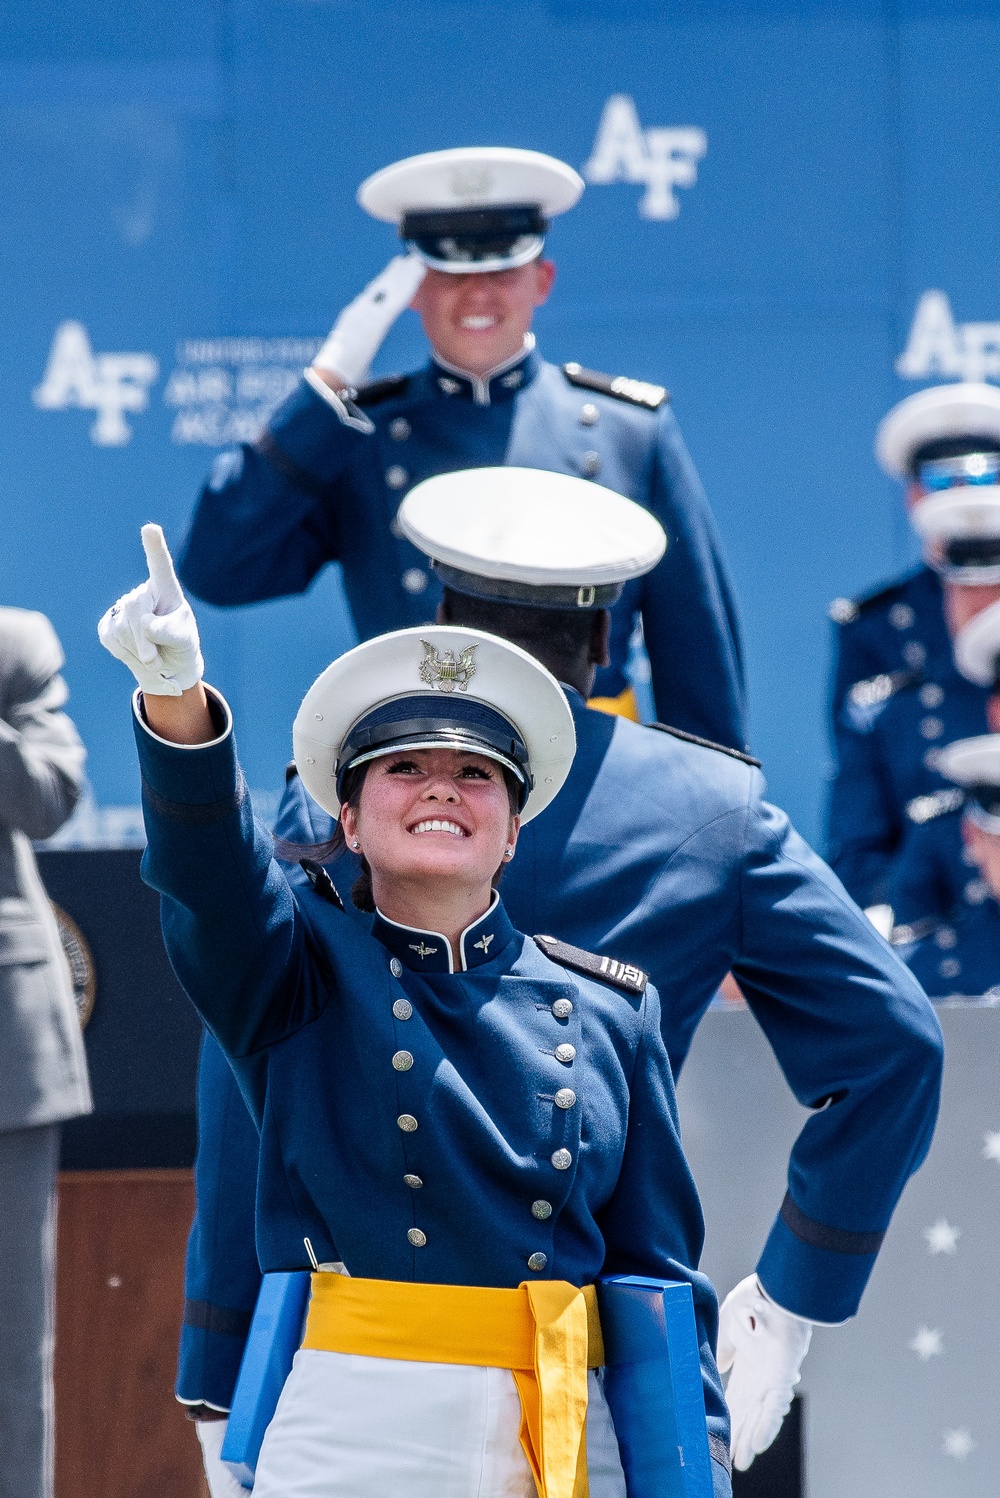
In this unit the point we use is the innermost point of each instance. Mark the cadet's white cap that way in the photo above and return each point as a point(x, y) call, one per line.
point(975, 764)
point(526, 535)
point(962, 530)
point(977, 647)
point(473, 208)
point(942, 412)
point(435, 687)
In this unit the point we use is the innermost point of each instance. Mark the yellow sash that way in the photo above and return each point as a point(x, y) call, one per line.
point(622, 706)
point(548, 1333)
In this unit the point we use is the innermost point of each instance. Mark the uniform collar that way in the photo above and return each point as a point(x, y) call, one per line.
point(499, 384)
point(430, 952)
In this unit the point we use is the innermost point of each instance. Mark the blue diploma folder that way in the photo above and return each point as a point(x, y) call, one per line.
point(652, 1381)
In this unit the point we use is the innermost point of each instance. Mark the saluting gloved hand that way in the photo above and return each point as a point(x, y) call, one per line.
point(221, 1482)
point(763, 1346)
point(360, 330)
point(152, 629)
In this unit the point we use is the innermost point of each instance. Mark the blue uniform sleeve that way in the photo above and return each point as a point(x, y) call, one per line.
point(236, 936)
point(858, 1043)
point(926, 876)
point(268, 518)
point(222, 1275)
point(652, 1224)
point(688, 611)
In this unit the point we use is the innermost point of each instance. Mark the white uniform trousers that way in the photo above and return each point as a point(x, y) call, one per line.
point(360, 1427)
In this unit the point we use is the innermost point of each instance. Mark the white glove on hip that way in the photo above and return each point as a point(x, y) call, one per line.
point(761, 1346)
point(152, 629)
point(360, 330)
point(221, 1482)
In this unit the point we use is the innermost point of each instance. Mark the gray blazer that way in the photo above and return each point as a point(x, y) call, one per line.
point(43, 1070)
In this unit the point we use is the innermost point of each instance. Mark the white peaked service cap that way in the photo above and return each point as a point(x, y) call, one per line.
point(964, 410)
point(525, 535)
point(435, 687)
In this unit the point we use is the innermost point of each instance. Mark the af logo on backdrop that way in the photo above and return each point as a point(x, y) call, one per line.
point(940, 348)
point(663, 157)
point(108, 384)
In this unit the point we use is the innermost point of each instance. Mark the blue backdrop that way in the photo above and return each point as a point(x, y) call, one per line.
point(775, 188)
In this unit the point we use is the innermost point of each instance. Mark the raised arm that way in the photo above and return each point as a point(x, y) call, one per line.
point(233, 930)
point(268, 518)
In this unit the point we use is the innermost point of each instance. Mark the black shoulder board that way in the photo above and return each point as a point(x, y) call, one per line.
point(291, 770)
point(381, 390)
point(639, 392)
point(692, 738)
point(321, 882)
point(621, 975)
point(935, 804)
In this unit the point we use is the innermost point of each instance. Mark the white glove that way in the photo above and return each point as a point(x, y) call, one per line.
point(360, 330)
point(152, 629)
point(221, 1482)
point(764, 1346)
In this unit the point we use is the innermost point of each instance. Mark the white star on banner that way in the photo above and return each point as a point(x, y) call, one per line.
point(958, 1444)
point(942, 1238)
point(991, 1146)
point(926, 1344)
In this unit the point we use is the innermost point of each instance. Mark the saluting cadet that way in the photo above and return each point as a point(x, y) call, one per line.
point(897, 696)
point(662, 847)
point(475, 1124)
point(325, 479)
point(954, 949)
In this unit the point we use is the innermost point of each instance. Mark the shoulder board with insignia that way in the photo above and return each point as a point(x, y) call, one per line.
point(623, 975)
point(381, 390)
point(291, 771)
point(692, 738)
point(878, 689)
point(855, 607)
point(936, 804)
point(321, 882)
point(638, 392)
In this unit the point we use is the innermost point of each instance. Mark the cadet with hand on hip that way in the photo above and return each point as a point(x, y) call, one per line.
point(423, 1074)
point(661, 846)
point(324, 481)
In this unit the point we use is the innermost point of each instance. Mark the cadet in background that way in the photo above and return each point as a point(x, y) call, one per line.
point(662, 846)
point(897, 695)
point(324, 481)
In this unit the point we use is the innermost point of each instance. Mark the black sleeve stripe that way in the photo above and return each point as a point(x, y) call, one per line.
point(381, 390)
point(624, 975)
point(288, 468)
point(203, 814)
point(818, 1235)
point(692, 738)
point(205, 1317)
point(719, 1452)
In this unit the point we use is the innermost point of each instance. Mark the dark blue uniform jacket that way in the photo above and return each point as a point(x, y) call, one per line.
point(318, 488)
point(897, 699)
point(662, 852)
point(363, 1060)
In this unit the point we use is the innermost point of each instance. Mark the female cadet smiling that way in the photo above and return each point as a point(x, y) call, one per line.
point(476, 1132)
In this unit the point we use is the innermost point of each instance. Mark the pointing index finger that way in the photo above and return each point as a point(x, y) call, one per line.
point(161, 569)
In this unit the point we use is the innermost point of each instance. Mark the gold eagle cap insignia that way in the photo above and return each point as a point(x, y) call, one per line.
point(444, 671)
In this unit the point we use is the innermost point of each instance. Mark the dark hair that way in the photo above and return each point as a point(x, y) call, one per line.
point(562, 639)
point(361, 889)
